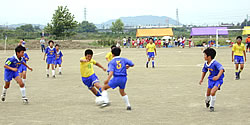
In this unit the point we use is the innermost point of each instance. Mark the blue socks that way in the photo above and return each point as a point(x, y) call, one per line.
point(100, 90)
point(153, 63)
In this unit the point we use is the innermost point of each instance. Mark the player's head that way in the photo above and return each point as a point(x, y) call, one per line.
point(51, 43)
point(239, 39)
point(20, 51)
point(116, 51)
point(209, 54)
point(112, 47)
point(57, 46)
point(248, 35)
point(88, 54)
point(151, 40)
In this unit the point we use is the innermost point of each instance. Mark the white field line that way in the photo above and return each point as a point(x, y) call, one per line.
point(98, 53)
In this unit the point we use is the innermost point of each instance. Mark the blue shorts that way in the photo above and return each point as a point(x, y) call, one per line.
point(90, 81)
point(238, 60)
point(50, 60)
point(58, 61)
point(22, 68)
point(151, 54)
point(8, 75)
point(212, 83)
point(118, 81)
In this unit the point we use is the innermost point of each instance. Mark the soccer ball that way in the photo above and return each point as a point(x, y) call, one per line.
point(98, 100)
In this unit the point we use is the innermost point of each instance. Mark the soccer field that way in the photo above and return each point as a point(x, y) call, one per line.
point(168, 94)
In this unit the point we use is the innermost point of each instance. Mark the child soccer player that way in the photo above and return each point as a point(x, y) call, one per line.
point(11, 71)
point(58, 59)
point(118, 69)
point(89, 77)
point(215, 79)
point(150, 52)
point(109, 56)
point(238, 50)
point(50, 51)
point(248, 43)
point(22, 70)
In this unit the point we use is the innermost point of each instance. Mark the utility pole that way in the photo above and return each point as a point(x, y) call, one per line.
point(177, 17)
point(85, 14)
point(247, 20)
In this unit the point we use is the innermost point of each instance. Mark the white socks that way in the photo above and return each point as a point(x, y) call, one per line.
point(4, 91)
point(60, 69)
point(105, 96)
point(23, 92)
point(213, 98)
point(125, 98)
point(53, 72)
point(207, 99)
point(47, 71)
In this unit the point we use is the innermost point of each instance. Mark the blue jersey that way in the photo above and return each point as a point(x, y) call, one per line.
point(118, 66)
point(13, 62)
point(51, 52)
point(214, 68)
point(25, 56)
point(59, 55)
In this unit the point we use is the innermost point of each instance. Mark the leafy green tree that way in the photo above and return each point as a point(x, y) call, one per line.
point(26, 28)
point(62, 23)
point(117, 26)
point(85, 26)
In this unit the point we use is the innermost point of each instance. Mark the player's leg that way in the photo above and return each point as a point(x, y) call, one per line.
point(148, 61)
point(60, 69)
point(208, 98)
point(24, 77)
point(22, 88)
point(125, 98)
point(213, 97)
point(5, 87)
point(241, 69)
point(153, 62)
point(53, 70)
point(47, 70)
point(237, 71)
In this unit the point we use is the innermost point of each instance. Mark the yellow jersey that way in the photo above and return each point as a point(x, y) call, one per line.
point(238, 49)
point(109, 56)
point(151, 47)
point(86, 68)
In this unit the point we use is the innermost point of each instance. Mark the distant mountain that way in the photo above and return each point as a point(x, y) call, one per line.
point(142, 21)
point(14, 26)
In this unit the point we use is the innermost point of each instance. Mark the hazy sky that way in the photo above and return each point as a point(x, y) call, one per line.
point(198, 12)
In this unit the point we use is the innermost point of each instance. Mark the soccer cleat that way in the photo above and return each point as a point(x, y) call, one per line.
point(60, 73)
point(153, 66)
point(211, 109)
point(47, 75)
point(25, 100)
point(129, 108)
point(146, 65)
point(207, 104)
point(54, 76)
point(3, 97)
point(105, 105)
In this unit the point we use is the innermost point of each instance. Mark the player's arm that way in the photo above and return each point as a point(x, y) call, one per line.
point(27, 66)
point(232, 56)
point(245, 56)
point(44, 55)
point(202, 77)
point(99, 65)
point(155, 51)
point(10, 68)
point(84, 60)
point(219, 75)
point(109, 77)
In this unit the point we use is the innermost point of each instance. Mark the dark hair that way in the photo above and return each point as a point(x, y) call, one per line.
point(210, 52)
point(51, 41)
point(88, 52)
point(116, 51)
point(23, 39)
point(20, 48)
point(239, 37)
point(57, 45)
point(150, 38)
point(113, 46)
